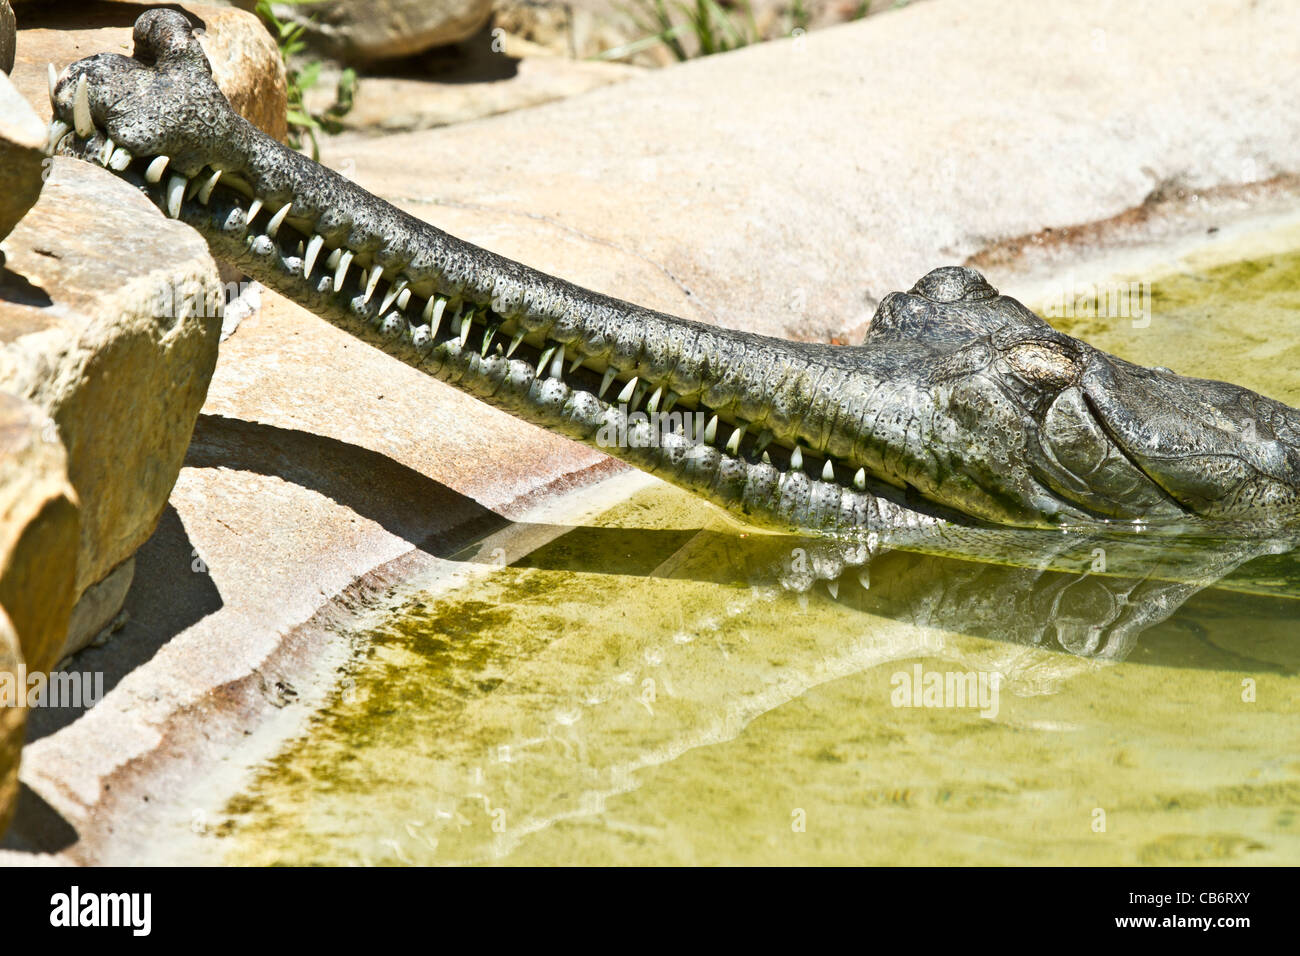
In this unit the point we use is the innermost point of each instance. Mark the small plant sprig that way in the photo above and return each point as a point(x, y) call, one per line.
point(302, 121)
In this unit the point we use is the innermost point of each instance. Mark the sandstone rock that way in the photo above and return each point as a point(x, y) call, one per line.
point(244, 58)
point(358, 31)
point(38, 531)
point(788, 186)
point(11, 723)
point(98, 328)
point(22, 141)
point(38, 557)
point(8, 27)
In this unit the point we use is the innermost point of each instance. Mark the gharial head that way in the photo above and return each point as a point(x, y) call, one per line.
point(960, 404)
point(1059, 428)
point(162, 100)
point(161, 104)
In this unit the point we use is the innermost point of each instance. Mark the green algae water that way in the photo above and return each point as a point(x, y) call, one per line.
point(657, 686)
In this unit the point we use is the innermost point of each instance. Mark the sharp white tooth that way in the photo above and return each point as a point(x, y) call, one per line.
point(796, 459)
point(106, 153)
point(625, 396)
point(341, 271)
point(543, 362)
point(302, 250)
point(557, 364)
point(254, 208)
point(205, 193)
point(655, 396)
point(514, 343)
point(610, 374)
point(175, 191)
point(435, 317)
point(58, 130)
point(53, 77)
point(332, 260)
point(391, 295)
point(767, 459)
point(488, 335)
point(860, 480)
point(670, 401)
point(834, 588)
point(273, 226)
point(466, 327)
point(711, 430)
point(192, 187)
point(828, 471)
point(155, 170)
point(577, 363)
point(313, 250)
point(119, 160)
point(81, 108)
point(373, 281)
point(733, 443)
point(864, 578)
point(403, 299)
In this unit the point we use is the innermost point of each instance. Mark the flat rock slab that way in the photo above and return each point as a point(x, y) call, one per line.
point(395, 104)
point(244, 58)
point(787, 187)
point(105, 324)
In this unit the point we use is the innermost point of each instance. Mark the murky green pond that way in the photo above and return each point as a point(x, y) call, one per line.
point(656, 685)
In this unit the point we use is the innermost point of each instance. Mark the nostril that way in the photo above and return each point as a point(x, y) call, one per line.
point(954, 284)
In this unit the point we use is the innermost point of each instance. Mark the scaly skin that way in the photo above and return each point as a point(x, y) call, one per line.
point(961, 408)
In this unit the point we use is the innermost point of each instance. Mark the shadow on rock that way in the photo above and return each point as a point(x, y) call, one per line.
point(37, 826)
point(426, 513)
point(160, 605)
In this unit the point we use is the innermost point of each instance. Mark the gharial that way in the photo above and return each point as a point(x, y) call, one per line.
point(961, 407)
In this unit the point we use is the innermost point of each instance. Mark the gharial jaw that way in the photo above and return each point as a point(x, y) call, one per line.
point(939, 417)
point(562, 357)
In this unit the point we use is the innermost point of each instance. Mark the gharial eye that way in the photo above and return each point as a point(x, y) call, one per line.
point(954, 284)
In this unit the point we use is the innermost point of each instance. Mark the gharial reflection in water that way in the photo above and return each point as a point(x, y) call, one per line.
point(1085, 595)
